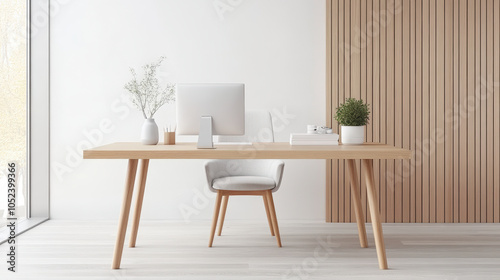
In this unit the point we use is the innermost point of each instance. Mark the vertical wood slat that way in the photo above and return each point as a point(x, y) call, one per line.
point(329, 96)
point(483, 142)
point(496, 118)
point(440, 97)
point(432, 110)
point(363, 92)
point(335, 102)
point(469, 196)
point(367, 19)
point(449, 53)
point(462, 126)
point(356, 50)
point(477, 109)
point(489, 112)
point(347, 93)
point(363, 46)
point(341, 94)
point(405, 112)
point(430, 71)
point(383, 106)
point(417, 148)
point(375, 32)
point(390, 78)
point(410, 169)
point(425, 111)
point(458, 89)
point(398, 105)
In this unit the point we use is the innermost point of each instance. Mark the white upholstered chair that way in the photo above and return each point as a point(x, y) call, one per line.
point(260, 177)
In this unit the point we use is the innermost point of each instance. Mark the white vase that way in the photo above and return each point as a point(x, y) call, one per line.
point(353, 135)
point(149, 132)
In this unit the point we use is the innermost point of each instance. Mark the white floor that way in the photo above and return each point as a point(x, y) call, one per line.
point(246, 250)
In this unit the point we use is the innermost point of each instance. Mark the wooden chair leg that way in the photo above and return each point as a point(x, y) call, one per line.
point(222, 214)
point(266, 204)
point(216, 216)
point(272, 211)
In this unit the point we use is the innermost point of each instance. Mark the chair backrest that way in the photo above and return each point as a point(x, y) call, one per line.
point(258, 128)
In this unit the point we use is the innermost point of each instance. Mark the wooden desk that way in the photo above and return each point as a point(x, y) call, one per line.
point(136, 151)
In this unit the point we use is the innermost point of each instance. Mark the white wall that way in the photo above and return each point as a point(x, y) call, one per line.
point(277, 48)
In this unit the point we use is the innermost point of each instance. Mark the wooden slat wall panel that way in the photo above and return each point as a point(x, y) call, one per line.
point(430, 71)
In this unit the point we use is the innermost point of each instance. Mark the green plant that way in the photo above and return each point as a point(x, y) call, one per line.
point(147, 94)
point(353, 113)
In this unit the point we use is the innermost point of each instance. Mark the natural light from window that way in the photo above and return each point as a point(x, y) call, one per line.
point(13, 87)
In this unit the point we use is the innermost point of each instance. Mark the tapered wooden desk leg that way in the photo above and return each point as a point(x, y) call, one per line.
point(357, 203)
point(374, 211)
point(143, 173)
point(122, 226)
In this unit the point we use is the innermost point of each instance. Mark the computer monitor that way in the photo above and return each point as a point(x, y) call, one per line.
point(210, 109)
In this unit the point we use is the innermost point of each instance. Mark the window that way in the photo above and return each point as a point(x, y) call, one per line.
point(14, 101)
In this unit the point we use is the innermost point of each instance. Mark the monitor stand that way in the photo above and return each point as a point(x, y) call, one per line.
point(205, 136)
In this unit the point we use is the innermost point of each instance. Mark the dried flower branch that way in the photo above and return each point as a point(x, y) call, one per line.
point(147, 94)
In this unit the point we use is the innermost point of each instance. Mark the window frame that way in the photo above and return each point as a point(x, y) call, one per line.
point(38, 116)
point(39, 109)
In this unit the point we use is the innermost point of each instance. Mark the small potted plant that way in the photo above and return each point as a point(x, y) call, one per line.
point(353, 115)
point(148, 96)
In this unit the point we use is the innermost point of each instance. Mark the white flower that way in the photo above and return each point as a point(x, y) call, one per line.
point(147, 94)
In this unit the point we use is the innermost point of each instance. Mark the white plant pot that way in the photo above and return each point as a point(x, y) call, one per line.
point(352, 135)
point(149, 132)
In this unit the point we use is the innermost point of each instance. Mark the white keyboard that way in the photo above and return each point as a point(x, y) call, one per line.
point(233, 143)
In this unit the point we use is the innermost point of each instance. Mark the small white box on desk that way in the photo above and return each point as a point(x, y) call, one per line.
point(314, 139)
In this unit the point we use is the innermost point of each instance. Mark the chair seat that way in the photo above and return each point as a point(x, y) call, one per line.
point(244, 183)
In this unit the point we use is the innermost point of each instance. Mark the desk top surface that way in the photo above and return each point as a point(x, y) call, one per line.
point(279, 150)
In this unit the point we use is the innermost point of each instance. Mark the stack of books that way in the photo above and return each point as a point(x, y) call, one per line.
point(314, 139)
